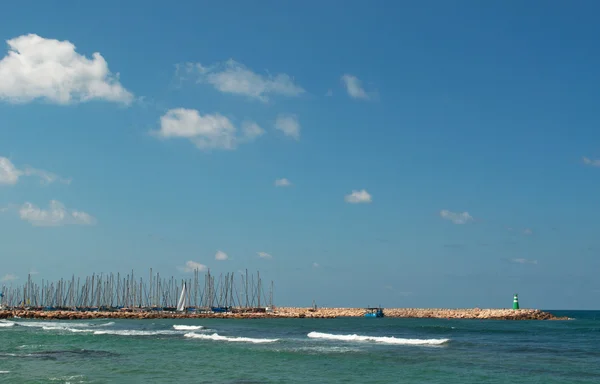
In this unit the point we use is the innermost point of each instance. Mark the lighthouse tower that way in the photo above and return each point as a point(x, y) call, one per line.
point(516, 301)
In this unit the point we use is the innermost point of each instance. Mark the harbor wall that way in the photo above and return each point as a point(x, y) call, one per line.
point(289, 312)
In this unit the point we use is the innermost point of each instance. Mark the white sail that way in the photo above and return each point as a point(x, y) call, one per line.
point(181, 303)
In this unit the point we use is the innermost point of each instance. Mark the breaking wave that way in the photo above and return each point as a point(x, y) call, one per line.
point(217, 337)
point(58, 325)
point(6, 324)
point(187, 327)
point(380, 339)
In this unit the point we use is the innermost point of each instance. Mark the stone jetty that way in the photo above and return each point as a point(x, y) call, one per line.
point(289, 312)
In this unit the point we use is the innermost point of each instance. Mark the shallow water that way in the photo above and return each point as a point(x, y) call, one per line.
point(302, 350)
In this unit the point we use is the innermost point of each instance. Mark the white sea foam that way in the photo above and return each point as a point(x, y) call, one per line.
point(54, 325)
point(132, 332)
point(377, 339)
point(187, 327)
point(217, 337)
point(4, 372)
point(6, 324)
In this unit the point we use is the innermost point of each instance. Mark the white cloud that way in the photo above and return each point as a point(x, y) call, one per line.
point(456, 218)
point(289, 125)
point(354, 87)
point(205, 131)
point(235, 78)
point(191, 266)
point(524, 261)
point(251, 130)
point(40, 68)
point(591, 162)
point(315, 265)
point(220, 255)
point(528, 231)
point(357, 197)
point(282, 182)
point(8, 277)
point(9, 174)
point(329, 93)
point(264, 255)
point(56, 215)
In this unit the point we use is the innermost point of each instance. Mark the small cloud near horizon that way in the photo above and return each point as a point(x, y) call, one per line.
point(8, 277)
point(283, 182)
point(221, 256)
point(191, 266)
point(358, 197)
point(264, 255)
point(456, 217)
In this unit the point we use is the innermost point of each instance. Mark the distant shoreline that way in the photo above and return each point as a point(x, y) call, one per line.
point(287, 312)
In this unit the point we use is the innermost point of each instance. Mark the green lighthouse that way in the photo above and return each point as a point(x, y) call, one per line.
point(516, 302)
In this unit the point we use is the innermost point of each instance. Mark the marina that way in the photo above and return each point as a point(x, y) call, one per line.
point(230, 292)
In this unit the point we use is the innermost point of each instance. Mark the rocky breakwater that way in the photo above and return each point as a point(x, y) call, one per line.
point(291, 312)
point(474, 313)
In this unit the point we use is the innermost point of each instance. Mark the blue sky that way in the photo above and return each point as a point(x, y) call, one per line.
point(468, 130)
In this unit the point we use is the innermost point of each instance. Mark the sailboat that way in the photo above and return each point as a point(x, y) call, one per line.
point(182, 299)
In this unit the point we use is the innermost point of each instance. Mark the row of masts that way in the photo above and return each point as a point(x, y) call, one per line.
point(110, 291)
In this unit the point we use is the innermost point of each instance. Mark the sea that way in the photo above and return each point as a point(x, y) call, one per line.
point(342, 350)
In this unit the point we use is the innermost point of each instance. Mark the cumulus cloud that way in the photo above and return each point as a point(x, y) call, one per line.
point(49, 69)
point(191, 266)
point(235, 78)
point(357, 197)
point(56, 215)
point(205, 131)
point(9, 174)
point(264, 255)
point(591, 162)
point(282, 182)
point(456, 218)
point(8, 277)
point(289, 125)
point(523, 261)
point(354, 87)
point(221, 256)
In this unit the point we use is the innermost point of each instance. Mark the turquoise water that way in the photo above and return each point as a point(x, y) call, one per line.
point(302, 351)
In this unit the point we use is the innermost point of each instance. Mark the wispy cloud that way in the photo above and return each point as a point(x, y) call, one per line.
point(591, 162)
point(221, 256)
point(456, 217)
point(10, 174)
point(289, 125)
point(283, 182)
point(358, 197)
point(8, 277)
point(191, 266)
point(354, 87)
point(54, 216)
point(264, 255)
point(316, 265)
point(205, 131)
point(49, 69)
point(235, 78)
point(528, 232)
